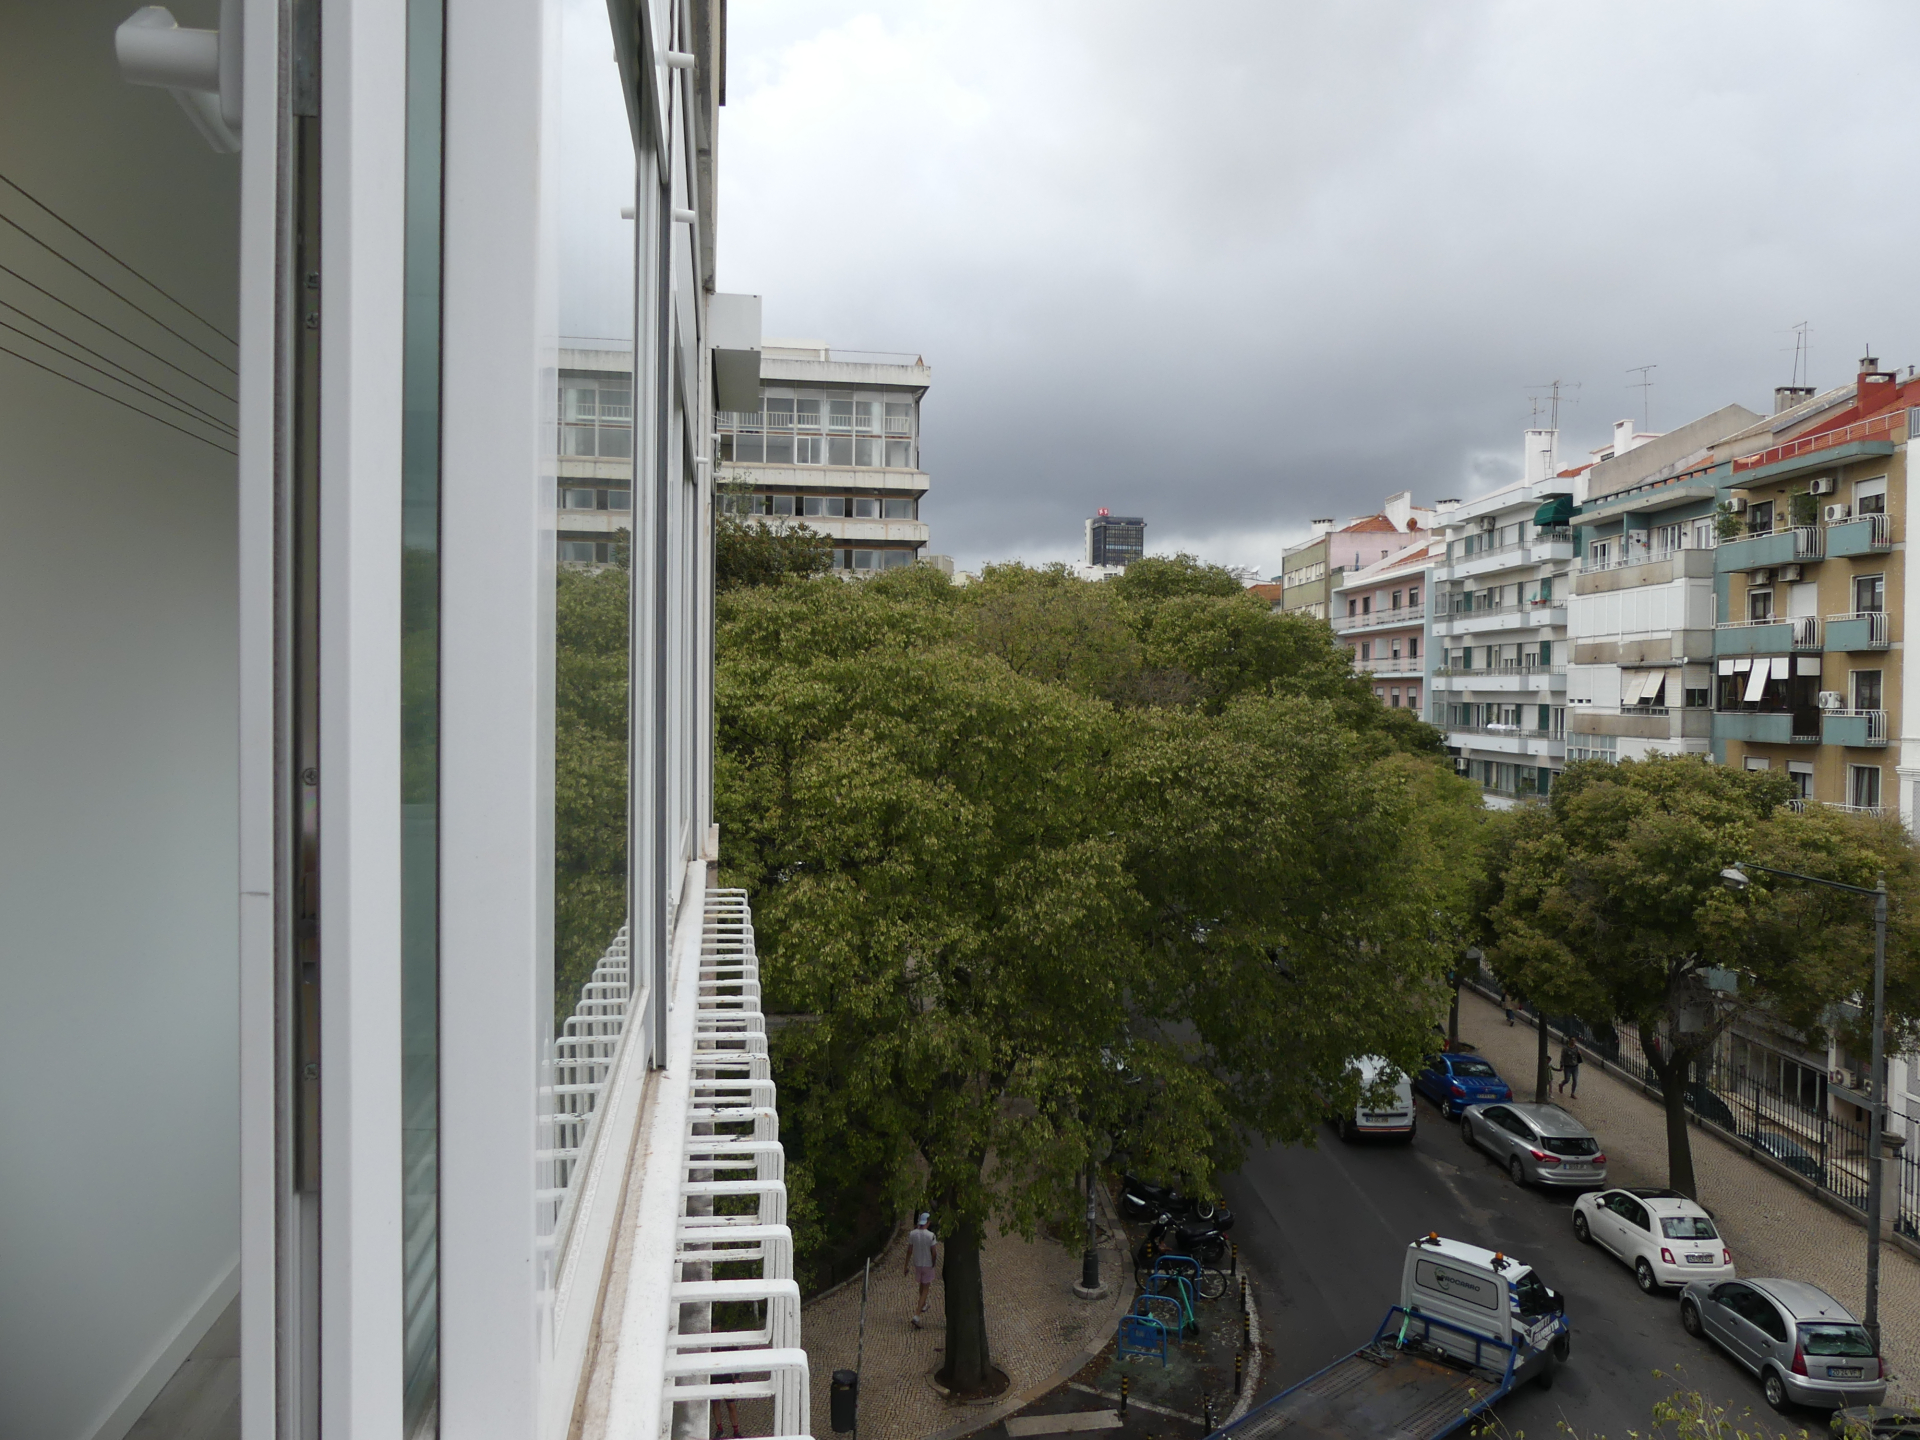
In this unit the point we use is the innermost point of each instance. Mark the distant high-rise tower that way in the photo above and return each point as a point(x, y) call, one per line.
point(1115, 541)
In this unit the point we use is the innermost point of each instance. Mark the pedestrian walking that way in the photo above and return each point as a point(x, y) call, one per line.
point(1506, 1004)
point(923, 1262)
point(1570, 1068)
point(732, 1416)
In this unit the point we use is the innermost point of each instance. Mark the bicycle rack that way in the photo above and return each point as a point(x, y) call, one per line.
point(1140, 1337)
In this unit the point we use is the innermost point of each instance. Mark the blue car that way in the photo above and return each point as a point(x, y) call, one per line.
point(1454, 1082)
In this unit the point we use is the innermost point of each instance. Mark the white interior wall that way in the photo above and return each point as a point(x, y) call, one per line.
point(118, 1200)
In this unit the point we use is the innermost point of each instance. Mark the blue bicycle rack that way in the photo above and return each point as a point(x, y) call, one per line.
point(1141, 1337)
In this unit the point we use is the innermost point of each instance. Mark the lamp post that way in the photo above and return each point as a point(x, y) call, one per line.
point(1735, 877)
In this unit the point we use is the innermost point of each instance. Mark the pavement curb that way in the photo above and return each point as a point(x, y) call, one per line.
point(1250, 1381)
point(1706, 1127)
point(1012, 1404)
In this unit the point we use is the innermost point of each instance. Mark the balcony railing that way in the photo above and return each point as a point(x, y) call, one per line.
point(1805, 629)
point(1513, 669)
point(1873, 629)
point(1388, 665)
point(1874, 810)
point(1828, 439)
point(1854, 727)
point(1633, 557)
point(1405, 615)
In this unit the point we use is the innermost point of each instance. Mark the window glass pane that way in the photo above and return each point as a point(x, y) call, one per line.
point(899, 454)
point(806, 414)
point(896, 509)
point(576, 440)
point(616, 441)
point(750, 449)
point(840, 414)
point(782, 504)
point(894, 559)
point(623, 500)
point(779, 449)
point(840, 450)
point(865, 508)
point(866, 451)
point(779, 414)
point(616, 404)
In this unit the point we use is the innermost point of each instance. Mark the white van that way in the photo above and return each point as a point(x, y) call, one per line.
point(1480, 1295)
point(1397, 1120)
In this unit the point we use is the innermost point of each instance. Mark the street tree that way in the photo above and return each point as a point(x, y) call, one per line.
point(1612, 906)
point(761, 550)
point(1022, 918)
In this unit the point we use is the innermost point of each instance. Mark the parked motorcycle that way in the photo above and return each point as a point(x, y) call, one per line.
point(1144, 1200)
point(1201, 1240)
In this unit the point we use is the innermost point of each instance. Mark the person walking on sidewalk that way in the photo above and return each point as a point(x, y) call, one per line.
point(923, 1262)
point(1506, 1004)
point(1570, 1067)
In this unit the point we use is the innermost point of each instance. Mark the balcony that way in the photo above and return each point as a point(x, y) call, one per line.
point(1405, 615)
point(1644, 567)
point(1389, 667)
point(1858, 728)
point(1505, 740)
point(1502, 677)
point(1789, 545)
point(1767, 637)
point(1531, 615)
point(1768, 727)
point(1865, 630)
point(1866, 535)
point(1643, 722)
point(1545, 546)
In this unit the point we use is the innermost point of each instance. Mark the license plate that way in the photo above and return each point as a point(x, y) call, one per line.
point(1843, 1372)
point(1700, 1259)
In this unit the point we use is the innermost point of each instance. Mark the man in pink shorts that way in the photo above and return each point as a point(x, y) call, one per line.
point(923, 1261)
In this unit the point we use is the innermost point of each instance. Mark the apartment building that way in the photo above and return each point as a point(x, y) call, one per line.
point(1380, 615)
point(1310, 570)
point(296, 1148)
point(594, 493)
point(1640, 621)
point(1499, 628)
point(1808, 674)
point(835, 445)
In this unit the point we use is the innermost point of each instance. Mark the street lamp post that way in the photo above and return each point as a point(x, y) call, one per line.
point(1736, 877)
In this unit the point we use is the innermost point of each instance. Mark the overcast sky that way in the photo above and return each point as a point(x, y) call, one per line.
point(1281, 260)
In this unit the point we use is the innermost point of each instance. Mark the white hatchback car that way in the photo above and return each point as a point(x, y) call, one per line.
point(1665, 1238)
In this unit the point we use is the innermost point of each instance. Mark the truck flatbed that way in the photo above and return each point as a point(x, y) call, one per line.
point(1393, 1388)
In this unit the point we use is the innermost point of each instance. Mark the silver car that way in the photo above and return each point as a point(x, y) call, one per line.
point(1539, 1144)
point(1798, 1339)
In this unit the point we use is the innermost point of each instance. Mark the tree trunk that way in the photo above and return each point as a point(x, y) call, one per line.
point(967, 1371)
point(1672, 1070)
point(1543, 1065)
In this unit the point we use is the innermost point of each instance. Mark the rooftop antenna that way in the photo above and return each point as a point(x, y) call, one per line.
point(1553, 398)
point(1803, 353)
point(1643, 385)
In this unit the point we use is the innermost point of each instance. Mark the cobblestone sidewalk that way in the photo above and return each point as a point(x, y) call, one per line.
point(1772, 1226)
point(1036, 1326)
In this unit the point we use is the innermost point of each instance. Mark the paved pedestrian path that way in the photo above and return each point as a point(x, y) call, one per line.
point(1772, 1226)
point(1036, 1326)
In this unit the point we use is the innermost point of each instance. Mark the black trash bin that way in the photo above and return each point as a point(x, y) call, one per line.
point(843, 1400)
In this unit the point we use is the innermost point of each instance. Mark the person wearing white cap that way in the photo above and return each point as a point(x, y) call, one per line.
point(923, 1260)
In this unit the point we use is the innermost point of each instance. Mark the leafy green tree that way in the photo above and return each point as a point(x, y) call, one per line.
point(1022, 917)
point(754, 550)
point(1612, 906)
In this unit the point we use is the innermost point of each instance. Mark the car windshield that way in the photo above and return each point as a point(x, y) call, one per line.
point(1688, 1227)
point(1571, 1144)
point(1530, 1293)
point(1475, 1069)
point(1851, 1340)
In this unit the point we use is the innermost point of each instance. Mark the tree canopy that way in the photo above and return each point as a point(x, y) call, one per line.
point(1048, 864)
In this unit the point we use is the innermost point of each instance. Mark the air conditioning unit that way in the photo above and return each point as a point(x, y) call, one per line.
point(1488, 522)
point(1737, 505)
point(1823, 486)
point(1787, 574)
point(1760, 577)
point(1833, 514)
point(1832, 700)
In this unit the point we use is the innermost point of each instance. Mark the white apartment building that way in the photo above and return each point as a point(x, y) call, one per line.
point(594, 493)
point(1380, 614)
point(835, 444)
point(295, 1149)
point(1499, 629)
point(1641, 618)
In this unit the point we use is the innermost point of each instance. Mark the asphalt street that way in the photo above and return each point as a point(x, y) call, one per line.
point(1325, 1231)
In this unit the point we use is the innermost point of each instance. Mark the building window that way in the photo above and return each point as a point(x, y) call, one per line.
point(1396, 599)
point(1393, 696)
point(1668, 538)
point(1800, 772)
point(577, 498)
point(1759, 604)
point(586, 552)
point(865, 508)
point(1866, 689)
point(1413, 697)
point(1759, 762)
point(1366, 649)
point(1869, 594)
point(1353, 607)
point(1380, 692)
point(1396, 649)
point(1413, 595)
point(1760, 518)
point(1698, 698)
point(1870, 496)
point(1863, 786)
point(1413, 647)
point(898, 509)
point(812, 449)
point(1366, 604)
point(596, 418)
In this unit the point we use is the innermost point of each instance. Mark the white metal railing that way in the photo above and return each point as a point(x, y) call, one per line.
point(1388, 665)
point(1805, 628)
point(1522, 667)
point(1874, 810)
point(1876, 722)
point(1637, 557)
point(1405, 615)
point(899, 425)
point(1879, 627)
point(584, 1055)
point(1880, 533)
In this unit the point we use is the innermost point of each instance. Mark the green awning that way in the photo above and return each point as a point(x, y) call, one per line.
point(1557, 511)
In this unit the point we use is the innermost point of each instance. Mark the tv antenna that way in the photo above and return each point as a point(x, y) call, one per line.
point(1550, 402)
point(1803, 354)
point(1644, 386)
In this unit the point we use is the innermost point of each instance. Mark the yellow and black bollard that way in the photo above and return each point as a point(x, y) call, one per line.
point(1236, 1257)
point(1126, 1384)
point(1206, 1413)
point(1239, 1370)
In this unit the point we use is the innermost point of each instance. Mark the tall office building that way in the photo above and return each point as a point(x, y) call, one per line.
point(835, 444)
point(1114, 541)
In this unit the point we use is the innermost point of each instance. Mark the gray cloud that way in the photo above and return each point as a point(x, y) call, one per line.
point(1280, 259)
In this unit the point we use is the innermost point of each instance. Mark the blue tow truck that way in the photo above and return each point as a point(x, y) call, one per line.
point(1472, 1325)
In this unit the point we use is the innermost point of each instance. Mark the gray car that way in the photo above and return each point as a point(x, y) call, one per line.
point(1802, 1343)
point(1538, 1144)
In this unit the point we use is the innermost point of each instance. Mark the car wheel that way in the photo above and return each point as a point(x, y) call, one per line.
point(1546, 1374)
point(1643, 1272)
point(1581, 1231)
point(1562, 1346)
point(1690, 1319)
point(1517, 1171)
point(1775, 1389)
point(1343, 1127)
point(1466, 1134)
